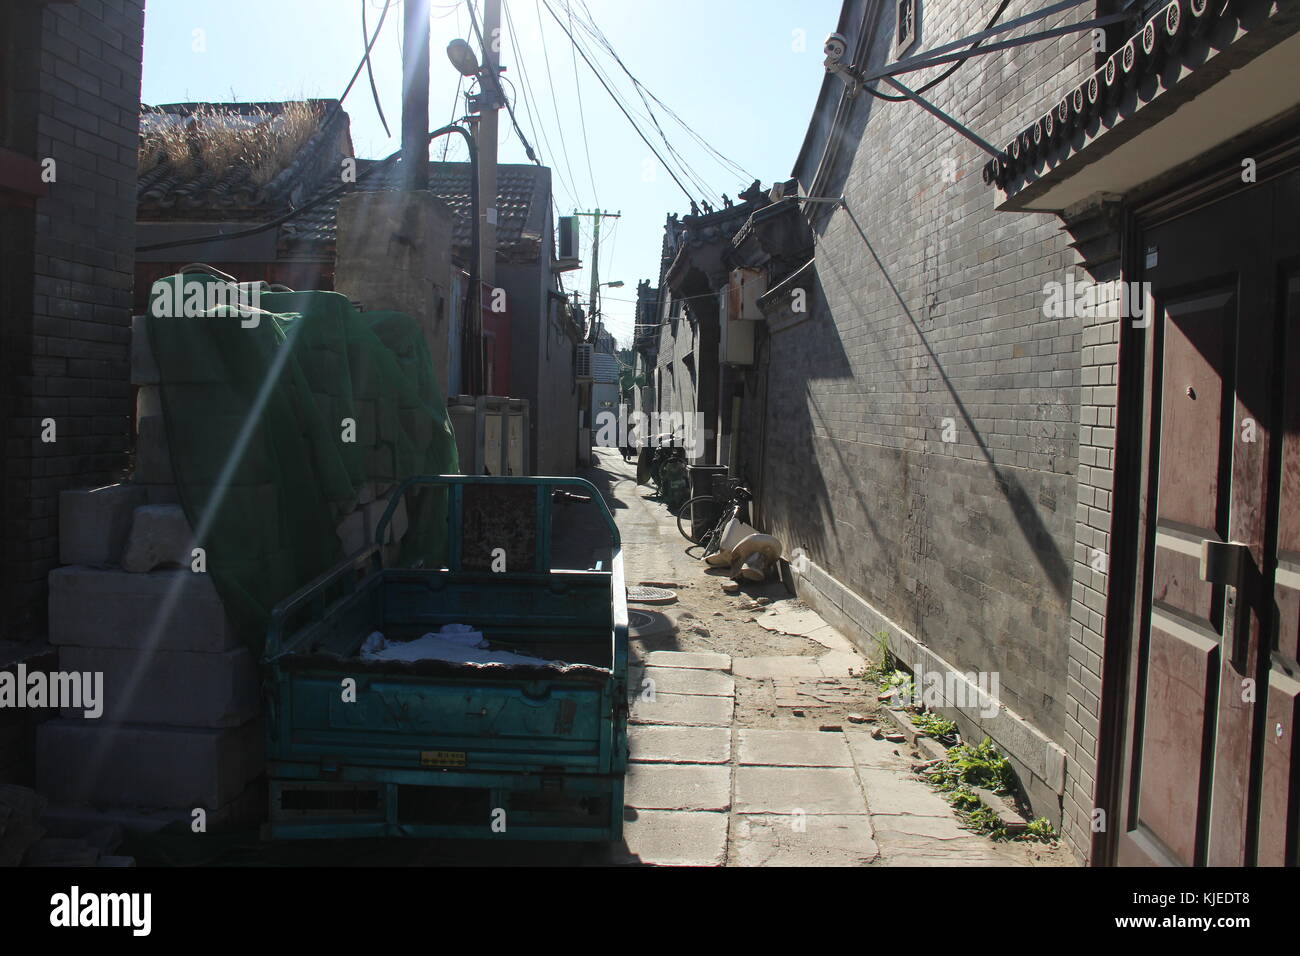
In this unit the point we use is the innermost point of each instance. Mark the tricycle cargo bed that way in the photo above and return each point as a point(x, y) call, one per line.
point(364, 747)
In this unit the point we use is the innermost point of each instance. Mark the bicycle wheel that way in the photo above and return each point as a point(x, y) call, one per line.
point(686, 517)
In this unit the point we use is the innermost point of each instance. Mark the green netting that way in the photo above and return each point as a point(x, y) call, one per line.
point(256, 410)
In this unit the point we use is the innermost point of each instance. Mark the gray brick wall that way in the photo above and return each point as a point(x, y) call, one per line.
point(75, 80)
point(932, 315)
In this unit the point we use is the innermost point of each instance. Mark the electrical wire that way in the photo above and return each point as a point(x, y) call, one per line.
point(582, 114)
point(374, 90)
point(534, 112)
point(599, 35)
point(555, 100)
point(1002, 7)
point(335, 109)
point(617, 103)
point(496, 80)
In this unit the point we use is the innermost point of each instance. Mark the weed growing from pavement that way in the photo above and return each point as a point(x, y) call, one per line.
point(967, 767)
point(980, 765)
point(932, 725)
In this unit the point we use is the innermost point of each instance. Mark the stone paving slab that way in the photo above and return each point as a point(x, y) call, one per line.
point(664, 743)
point(810, 840)
point(689, 710)
point(670, 786)
point(933, 845)
point(777, 667)
point(800, 622)
point(792, 748)
point(705, 660)
point(810, 789)
point(869, 752)
point(831, 639)
point(841, 663)
point(674, 838)
point(894, 791)
point(683, 680)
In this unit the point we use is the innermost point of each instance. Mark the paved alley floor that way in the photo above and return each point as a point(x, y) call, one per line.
point(742, 751)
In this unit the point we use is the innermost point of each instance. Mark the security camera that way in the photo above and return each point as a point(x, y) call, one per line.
point(835, 48)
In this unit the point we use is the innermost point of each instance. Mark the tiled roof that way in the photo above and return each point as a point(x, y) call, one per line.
point(236, 191)
point(523, 205)
point(232, 193)
point(1154, 59)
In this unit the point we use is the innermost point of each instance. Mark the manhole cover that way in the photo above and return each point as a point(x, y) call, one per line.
point(647, 624)
point(644, 594)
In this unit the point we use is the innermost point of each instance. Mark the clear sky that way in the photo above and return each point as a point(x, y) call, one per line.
point(743, 73)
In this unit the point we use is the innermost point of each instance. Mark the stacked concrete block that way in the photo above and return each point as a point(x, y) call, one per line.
point(358, 527)
point(180, 727)
point(94, 522)
point(153, 467)
point(160, 535)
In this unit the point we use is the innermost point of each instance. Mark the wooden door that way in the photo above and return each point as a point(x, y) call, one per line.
point(1210, 776)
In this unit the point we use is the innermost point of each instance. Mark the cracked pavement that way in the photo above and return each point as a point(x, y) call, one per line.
point(742, 753)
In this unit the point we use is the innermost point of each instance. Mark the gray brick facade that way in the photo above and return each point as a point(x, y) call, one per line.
point(72, 87)
point(936, 445)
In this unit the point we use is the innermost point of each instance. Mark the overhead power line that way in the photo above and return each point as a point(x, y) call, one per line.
point(622, 109)
point(496, 81)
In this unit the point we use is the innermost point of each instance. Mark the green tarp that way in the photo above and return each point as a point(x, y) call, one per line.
point(275, 419)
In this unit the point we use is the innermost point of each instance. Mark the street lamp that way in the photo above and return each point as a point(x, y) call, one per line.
point(462, 57)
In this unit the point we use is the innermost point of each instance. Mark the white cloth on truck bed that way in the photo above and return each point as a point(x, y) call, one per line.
point(457, 643)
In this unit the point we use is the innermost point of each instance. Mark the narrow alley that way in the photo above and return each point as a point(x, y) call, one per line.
point(742, 748)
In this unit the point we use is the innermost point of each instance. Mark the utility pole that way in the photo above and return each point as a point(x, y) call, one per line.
point(486, 135)
point(415, 95)
point(593, 304)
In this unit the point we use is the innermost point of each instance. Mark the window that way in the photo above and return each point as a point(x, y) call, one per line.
point(906, 26)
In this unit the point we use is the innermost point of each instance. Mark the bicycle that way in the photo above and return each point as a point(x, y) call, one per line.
point(715, 512)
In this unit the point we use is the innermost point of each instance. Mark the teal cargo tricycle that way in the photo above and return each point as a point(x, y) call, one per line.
point(503, 749)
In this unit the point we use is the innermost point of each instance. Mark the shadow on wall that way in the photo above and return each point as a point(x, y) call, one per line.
point(1054, 564)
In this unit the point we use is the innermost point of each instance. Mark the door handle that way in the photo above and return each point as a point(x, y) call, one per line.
point(1230, 564)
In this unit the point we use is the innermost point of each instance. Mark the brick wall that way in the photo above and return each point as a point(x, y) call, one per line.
point(74, 84)
point(927, 318)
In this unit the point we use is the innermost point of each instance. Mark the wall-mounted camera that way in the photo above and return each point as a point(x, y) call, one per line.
point(836, 47)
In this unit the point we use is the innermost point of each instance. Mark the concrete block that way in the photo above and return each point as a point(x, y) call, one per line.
point(150, 767)
point(94, 523)
point(248, 807)
point(687, 710)
point(787, 789)
point(153, 463)
point(681, 680)
point(353, 531)
point(803, 840)
point(173, 610)
point(160, 535)
point(162, 494)
point(144, 370)
point(662, 743)
point(397, 525)
point(668, 786)
point(702, 659)
point(674, 838)
point(793, 748)
point(148, 401)
point(179, 688)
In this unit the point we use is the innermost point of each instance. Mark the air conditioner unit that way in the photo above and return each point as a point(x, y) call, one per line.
point(582, 362)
